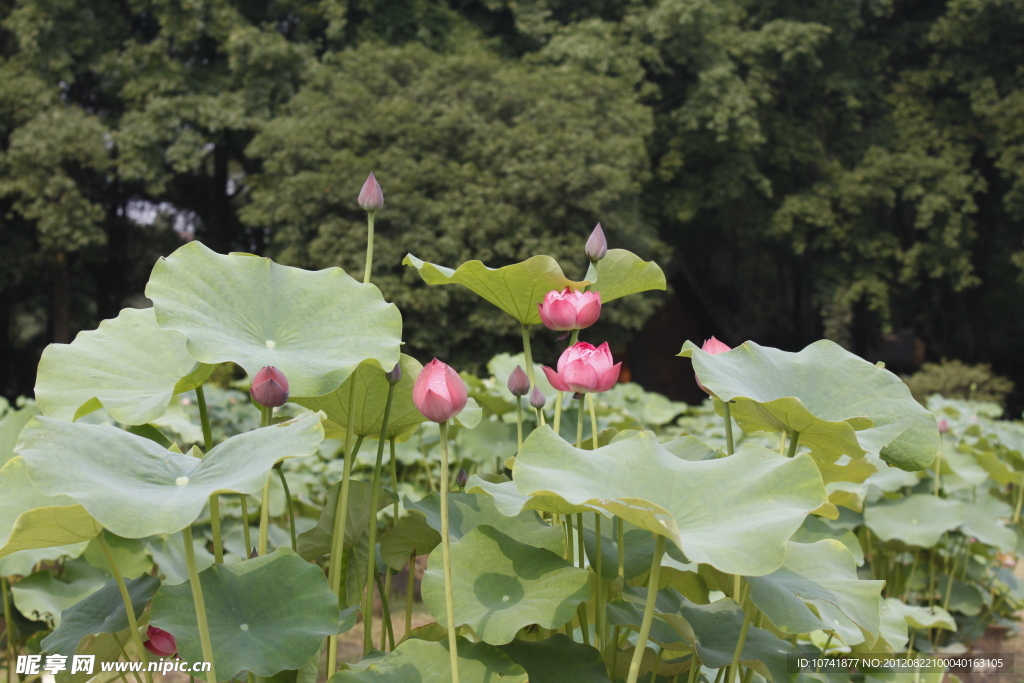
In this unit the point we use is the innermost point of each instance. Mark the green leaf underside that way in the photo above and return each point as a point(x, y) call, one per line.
point(919, 520)
point(317, 541)
point(266, 615)
point(825, 393)
point(314, 326)
point(733, 513)
point(558, 660)
point(621, 273)
point(127, 365)
point(10, 427)
point(423, 661)
point(501, 585)
point(515, 289)
point(44, 596)
point(135, 488)
point(410, 535)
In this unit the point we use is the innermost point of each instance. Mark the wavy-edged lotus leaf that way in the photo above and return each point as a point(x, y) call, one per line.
point(515, 289)
point(511, 503)
point(169, 554)
point(314, 326)
point(918, 520)
point(979, 522)
point(105, 647)
point(1002, 473)
point(466, 511)
point(371, 399)
point(135, 488)
point(814, 574)
point(317, 541)
point(420, 661)
point(558, 659)
point(501, 585)
point(816, 529)
point(621, 273)
point(953, 460)
point(24, 561)
point(411, 534)
point(127, 365)
point(267, 614)
point(896, 616)
point(639, 546)
point(733, 513)
point(631, 615)
point(10, 427)
point(30, 519)
point(42, 596)
point(825, 393)
point(130, 556)
point(101, 612)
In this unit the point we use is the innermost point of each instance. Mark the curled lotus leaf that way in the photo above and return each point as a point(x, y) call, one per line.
point(419, 661)
point(621, 273)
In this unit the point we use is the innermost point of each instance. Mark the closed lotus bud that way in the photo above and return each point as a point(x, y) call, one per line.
point(518, 382)
point(371, 197)
point(439, 393)
point(714, 347)
point(394, 375)
point(160, 643)
point(943, 426)
point(461, 478)
point(270, 387)
point(597, 245)
point(537, 399)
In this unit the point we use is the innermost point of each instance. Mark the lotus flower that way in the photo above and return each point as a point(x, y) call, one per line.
point(714, 347)
point(439, 393)
point(597, 245)
point(394, 375)
point(371, 197)
point(537, 399)
point(462, 478)
point(518, 383)
point(585, 369)
point(270, 387)
point(570, 309)
point(943, 426)
point(160, 643)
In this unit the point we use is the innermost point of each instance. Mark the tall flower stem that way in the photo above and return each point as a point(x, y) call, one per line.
point(410, 593)
point(394, 520)
point(12, 651)
point(288, 505)
point(371, 562)
point(197, 598)
point(645, 624)
point(519, 424)
point(580, 548)
point(243, 499)
point(794, 439)
point(369, 246)
point(449, 601)
point(726, 413)
point(265, 500)
point(599, 617)
point(622, 549)
point(204, 418)
point(558, 399)
point(734, 667)
point(385, 616)
point(126, 598)
point(528, 354)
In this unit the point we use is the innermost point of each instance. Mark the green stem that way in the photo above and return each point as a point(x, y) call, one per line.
point(126, 598)
point(828, 642)
point(519, 424)
point(794, 439)
point(204, 418)
point(449, 602)
point(652, 596)
point(369, 246)
point(245, 524)
point(386, 622)
point(265, 414)
point(938, 473)
point(12, 652)
point(288, 507)
point(910, 579)
point(599, 608)
point(528, 354)
point(622, 549)
point(371, 560)
point(734, 667)
point(729, 449)
point(581, 561)
point(200, 604)
point(394, 481)
point(1020, 499)
point(694, 667)
point(385, 615)
point(410, 594)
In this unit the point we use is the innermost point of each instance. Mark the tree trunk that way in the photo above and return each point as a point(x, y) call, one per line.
point(60, 318)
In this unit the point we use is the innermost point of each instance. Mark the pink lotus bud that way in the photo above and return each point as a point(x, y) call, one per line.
point(394, 375)
point(462, 478)
point(160, 643)
point(269, 387)
point(584, 369)
point(714, 347)
point(518, 382)
point(537, 399)
point(570, 309)
point(597, 245)
point(943, 426)
point(439, 393)
point(371, 197)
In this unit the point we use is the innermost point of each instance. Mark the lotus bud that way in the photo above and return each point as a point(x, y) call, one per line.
point(585, 369)
point(943, 426)
point(439, 393)
point(537, 399)
point(461, 478)
point(714, 347)
point(371, 197)
point(254, 553)
point(270, 387)
point(597, 245)
point(394, 375)
point(569, 309)
point(160, 643)
point(518, 383)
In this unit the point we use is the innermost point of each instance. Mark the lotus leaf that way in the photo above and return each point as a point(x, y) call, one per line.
point(317, 541)
point(105, 648)
point(896, 616)
point(10, 427)
point(815, 529)
point(511, 503)
point(420, 661)
point(557, 660)
point(621, 273)
point(169, 554)
point(918, 519)
point(411, 534)
point(979, 522)
point(44, 597)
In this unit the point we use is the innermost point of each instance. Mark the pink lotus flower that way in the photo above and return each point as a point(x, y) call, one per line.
point(714, 347)
point(439, 393)
point(570, 309)
point(371, 197)
point(160, 643)
point(585, 369)
point(269, 387)
point(943, 426)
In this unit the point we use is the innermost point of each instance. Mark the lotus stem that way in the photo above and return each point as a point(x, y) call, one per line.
point(729, 449)
point(197, 598)
point(394, 480)
point(126, 598)
point(371, 561)
point(369, 246)
point(265, 414)
point(528, 354)
point(519, 424)
point(581, 561)
point(794, 439)
point(204, 418)
point(1020, 499)
point(385, 615)
point(449, 601)
point(652, 597)
point(622, 549)
point(12, 651)
point(410, 594)
point(288, 506)
point(938, 476)
point(599, 608)
point(734, 667)
point(828, 642)
point(243, 499)
point(694, 666)
point(387, 622)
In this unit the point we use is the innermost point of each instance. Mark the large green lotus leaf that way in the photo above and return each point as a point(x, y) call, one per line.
point(978, 522)
point(317, 541)
point(558, 660)
point(511, 503)
point(733, 513)
point(501, 585)
point(1002, 473)
point(135, 488)
point(105, 648)
point(101, 612)
point(918, 520)
point(960, 463)
point(816, 529)
point(314, 326)
point(621, 273)
point(825, 393)
point(130, 556)
point(266, 615)
point(466, 511)
point(169, 554)
point(127, 365)
point(515, 289)
point(371, 399)
point(23, 562)
point(44, 597)
point(631, 615)
point(815, 574)
point(896, 616)
point(10, 427)
point(424, 661)
point(639, 546)
point(30, 519)
point(411, 534)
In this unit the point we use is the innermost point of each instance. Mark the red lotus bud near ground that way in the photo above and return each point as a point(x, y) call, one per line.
point(537, 399)
point(584, 369)
point(570, 309)
point(518, 382)
point(270, 387)
point(597, 245)
point(371, 197)
point(439, 393)
point(160, 643)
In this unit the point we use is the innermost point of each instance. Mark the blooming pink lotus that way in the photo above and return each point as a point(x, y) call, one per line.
point(585, 369)
point(371, 197)
point(570, 309)
point(160, 643)
point(714, 347)
point(439, 393)
point(270, 387)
